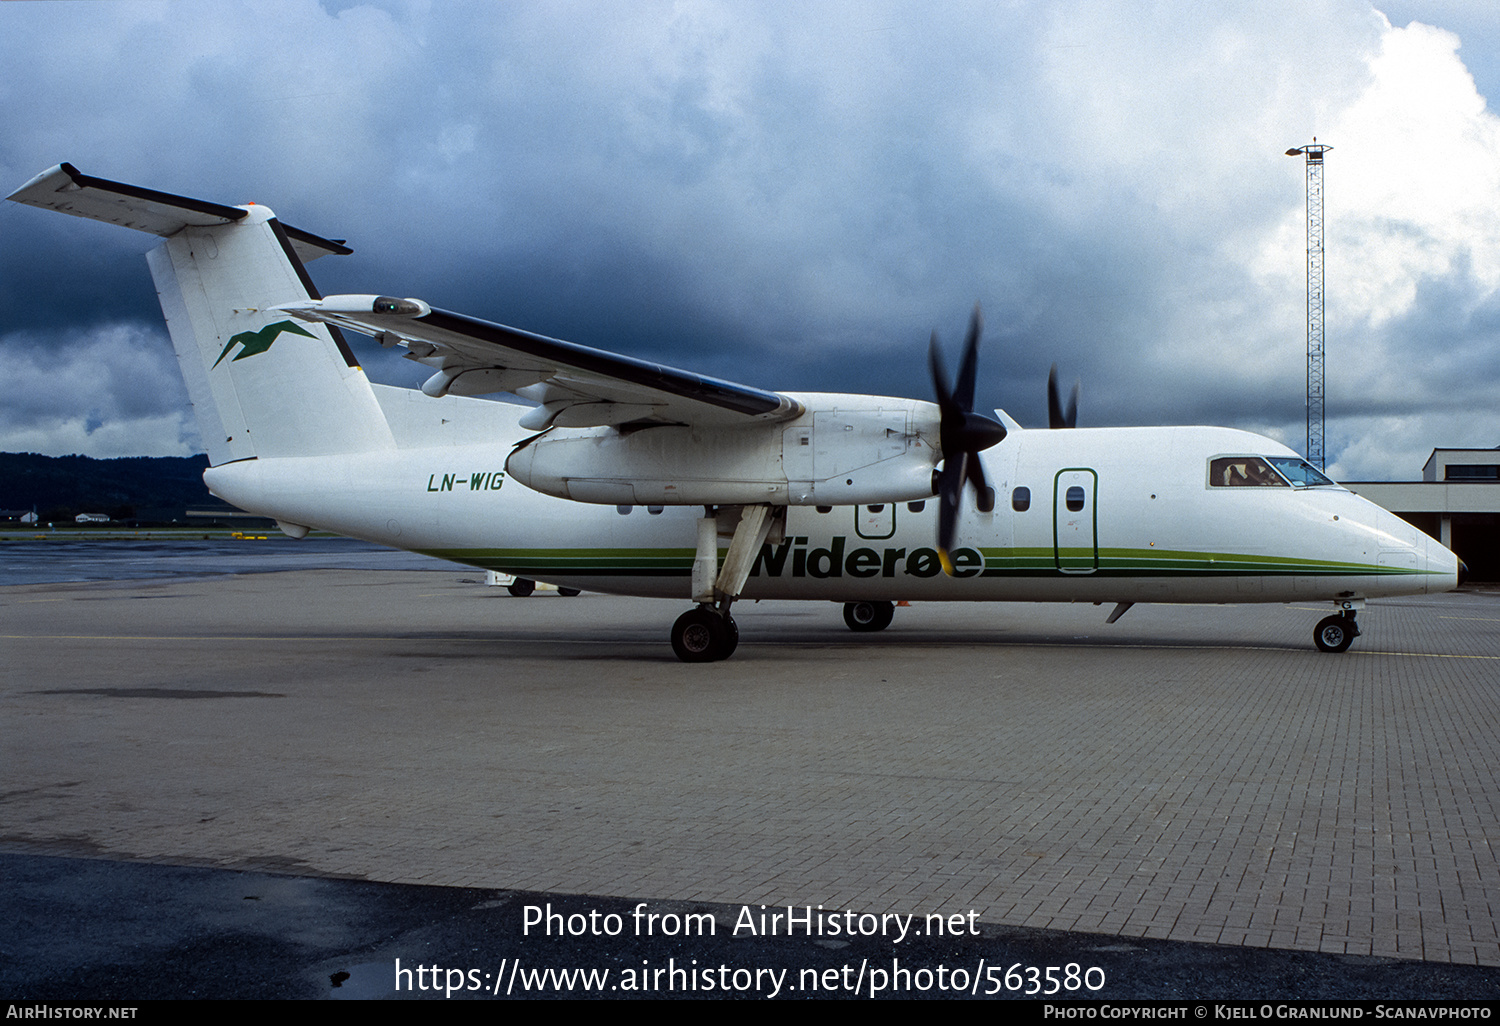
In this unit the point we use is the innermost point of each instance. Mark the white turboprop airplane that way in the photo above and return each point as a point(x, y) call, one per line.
point(628, 477)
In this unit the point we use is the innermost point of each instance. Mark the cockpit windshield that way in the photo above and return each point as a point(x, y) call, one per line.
point(1242, 472)
point(1300, 473)
point(1264, 472)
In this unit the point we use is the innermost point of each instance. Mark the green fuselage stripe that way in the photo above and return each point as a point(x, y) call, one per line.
point(998, 562)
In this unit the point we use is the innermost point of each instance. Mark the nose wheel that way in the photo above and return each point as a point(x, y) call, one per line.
point(704, 635)
point(1336, 633)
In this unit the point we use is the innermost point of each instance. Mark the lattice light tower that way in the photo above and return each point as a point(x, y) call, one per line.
point(1314, 153)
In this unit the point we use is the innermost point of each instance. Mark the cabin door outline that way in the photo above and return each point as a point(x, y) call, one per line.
point(1075, 520)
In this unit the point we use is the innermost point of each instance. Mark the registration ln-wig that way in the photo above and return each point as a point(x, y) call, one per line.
point(629, 477)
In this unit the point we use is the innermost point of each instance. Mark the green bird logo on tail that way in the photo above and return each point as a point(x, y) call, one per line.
point(257, 342)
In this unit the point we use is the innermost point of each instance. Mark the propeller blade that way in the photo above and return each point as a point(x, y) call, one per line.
point(1057, 416)
point(963, 391)
point(939, 374)
point(984, 495)
point(963, 435)
point(950, 493)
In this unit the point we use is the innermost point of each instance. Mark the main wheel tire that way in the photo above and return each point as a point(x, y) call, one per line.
point(1335, 634)
point(521, 587)
point(699, 636)
point(569, 592)
point(731, 637)
point(869, 616)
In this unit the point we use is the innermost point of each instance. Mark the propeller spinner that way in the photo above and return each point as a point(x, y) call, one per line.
point(963, 435)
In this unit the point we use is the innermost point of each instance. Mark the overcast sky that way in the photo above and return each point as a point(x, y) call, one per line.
point(795, 195)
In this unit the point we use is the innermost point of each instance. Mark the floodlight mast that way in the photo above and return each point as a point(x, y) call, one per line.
point(1314, 153)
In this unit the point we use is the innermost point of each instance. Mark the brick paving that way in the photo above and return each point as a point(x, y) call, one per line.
point(1188, 773)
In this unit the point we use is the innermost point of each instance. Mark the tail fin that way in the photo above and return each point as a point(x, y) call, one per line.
point(261, 385)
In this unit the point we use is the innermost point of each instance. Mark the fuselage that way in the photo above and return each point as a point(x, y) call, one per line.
point(1113, 514)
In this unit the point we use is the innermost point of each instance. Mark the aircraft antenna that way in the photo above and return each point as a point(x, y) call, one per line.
point(1314, 153)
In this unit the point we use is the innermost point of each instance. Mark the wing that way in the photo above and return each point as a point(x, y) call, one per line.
point(575, 385)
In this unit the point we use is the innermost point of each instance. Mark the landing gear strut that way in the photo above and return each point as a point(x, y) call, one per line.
point(708, 633)
point(869, 616)
point(1336, 633)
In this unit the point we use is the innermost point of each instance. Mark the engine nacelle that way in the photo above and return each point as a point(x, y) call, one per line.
point(842, 450)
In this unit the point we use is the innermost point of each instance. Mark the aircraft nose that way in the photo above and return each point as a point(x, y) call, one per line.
point(1443, 565)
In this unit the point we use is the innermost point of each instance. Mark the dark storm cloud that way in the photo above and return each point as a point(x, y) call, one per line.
point(793, 197)
point(107, 390)
point(66, 274)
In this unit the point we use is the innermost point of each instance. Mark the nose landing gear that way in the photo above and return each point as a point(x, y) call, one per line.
point(1336, 633)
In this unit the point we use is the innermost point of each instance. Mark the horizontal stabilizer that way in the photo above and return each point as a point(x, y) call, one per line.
point(67, 190)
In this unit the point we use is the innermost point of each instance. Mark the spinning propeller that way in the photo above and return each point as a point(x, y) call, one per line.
point(963, 435)
point(1057, 417)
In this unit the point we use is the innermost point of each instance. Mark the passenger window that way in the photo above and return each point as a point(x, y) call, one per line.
point(654, 510)
point(917, 507)
point(1074, 499)
point(1020, 500)
point(1243, 472)
point(824, 509)
point(623, 510)
point(877, 509)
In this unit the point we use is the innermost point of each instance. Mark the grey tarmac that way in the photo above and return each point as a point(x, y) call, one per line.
point(1187, 774)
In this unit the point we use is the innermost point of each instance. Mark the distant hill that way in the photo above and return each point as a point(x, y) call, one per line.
point(142, 488)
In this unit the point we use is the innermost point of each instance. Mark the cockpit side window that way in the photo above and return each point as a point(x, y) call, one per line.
point(1243, 472)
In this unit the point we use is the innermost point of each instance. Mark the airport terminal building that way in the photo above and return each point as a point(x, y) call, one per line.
point(1457, 502)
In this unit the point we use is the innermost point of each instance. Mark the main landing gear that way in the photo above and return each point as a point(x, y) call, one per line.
point(702, 635)
point(869, 616)
point(708, 633)
point(521, 587)
point(1336, 633)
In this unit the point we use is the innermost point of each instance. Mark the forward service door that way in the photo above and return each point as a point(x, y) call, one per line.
point(1075, 521)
